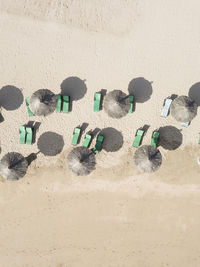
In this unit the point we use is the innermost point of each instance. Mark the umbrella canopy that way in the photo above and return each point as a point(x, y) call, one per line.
point(116, 104)
point(183, 109)
point(147, 158)
point(13, 166)
point(43, 102)
point(81, 161)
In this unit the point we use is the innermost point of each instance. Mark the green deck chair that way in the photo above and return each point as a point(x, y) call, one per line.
point(22, 132)
point(59, 103)
point(138, 138)
point(154, 140)
point(30, 113)
point(199, 140)
point(76, 136)
point(87, 140)
point(97, 102)
point(98, 145)
point(29, 136)
point(131, 99)
point(65, 103)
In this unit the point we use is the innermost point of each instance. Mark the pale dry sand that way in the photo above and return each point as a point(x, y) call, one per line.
point(116, 216)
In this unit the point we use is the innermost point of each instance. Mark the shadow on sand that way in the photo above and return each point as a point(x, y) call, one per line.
point(11, 97)
point(50, 143)
point(31, 157)
point(194, 93)
point(103, 94)
point(170, 137)
point(73, 87)
point(113, 139)
point(141, 89)
point(35, 126)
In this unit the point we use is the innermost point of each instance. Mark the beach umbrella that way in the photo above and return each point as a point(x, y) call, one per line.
point(183, 109)
point(43, 102)
point(13, 166)
point(81, 161)
point(116, 104)
point(147, 158)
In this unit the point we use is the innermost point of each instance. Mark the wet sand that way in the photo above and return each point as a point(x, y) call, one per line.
point(53, 218)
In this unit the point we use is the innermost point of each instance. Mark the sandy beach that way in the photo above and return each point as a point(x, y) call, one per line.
point(116, 216)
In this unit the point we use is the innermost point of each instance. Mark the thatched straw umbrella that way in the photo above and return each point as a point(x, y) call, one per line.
point(147, 158)
point(81, 161)
point(116, 104)
point(43, 102)
point(183, 109)
point(13, 166)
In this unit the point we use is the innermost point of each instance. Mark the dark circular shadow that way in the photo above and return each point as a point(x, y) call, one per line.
point(194, 93)
point(113, 139)
point(73, 87)
point(50, 143)
point(141, 89)
point(170, 137)
point(11, 97)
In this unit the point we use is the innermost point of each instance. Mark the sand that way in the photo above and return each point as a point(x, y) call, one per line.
point(116, 216)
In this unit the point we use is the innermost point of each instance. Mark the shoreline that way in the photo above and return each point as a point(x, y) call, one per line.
point(117, 168)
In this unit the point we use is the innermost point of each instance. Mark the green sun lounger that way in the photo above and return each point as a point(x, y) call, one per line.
point(87, 140)
point(65, 104)
point(29, 136)
point(199, 140)
point(30, 113)
point(97, 102)
point(98, 145)
point(131, 99)
point(154, 140)
point(138, 138)
point(22, 132)
point(76, 136)
point(59, 103)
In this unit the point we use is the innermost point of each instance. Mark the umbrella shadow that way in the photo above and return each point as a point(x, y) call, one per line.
point(11, 97)
point(141, 89)
point(94, 132)
point(172, 97)
point(74, 87)
point(50, 143)
point(1, 118)
point(31, 157)
point(145, 129)
point(35, 126)
point(194, 93)
point(103, 94)
point(113, 139)
point(170, 137)
point(83, 128)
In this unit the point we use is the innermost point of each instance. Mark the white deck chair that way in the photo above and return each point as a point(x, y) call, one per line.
point(185, 124)
point(165, 110)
